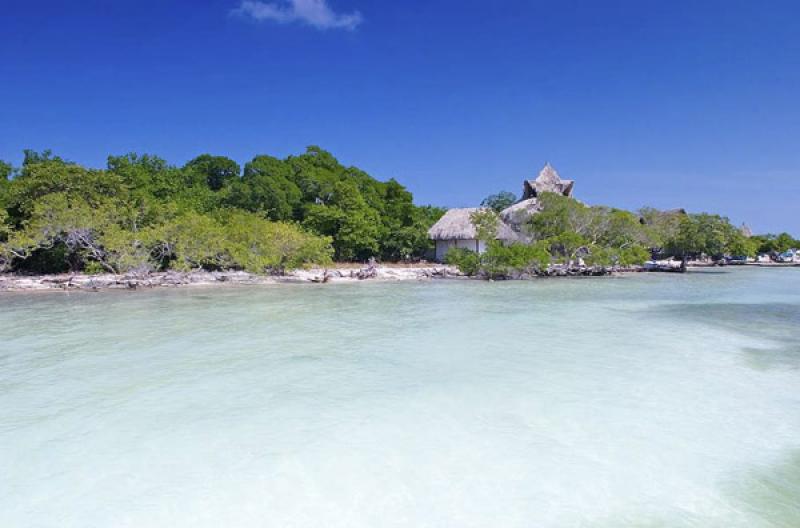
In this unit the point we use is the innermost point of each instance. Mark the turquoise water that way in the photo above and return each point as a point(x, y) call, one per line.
point(654, 400)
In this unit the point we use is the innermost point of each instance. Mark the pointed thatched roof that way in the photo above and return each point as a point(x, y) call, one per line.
point(456, 224)
point(547, 181)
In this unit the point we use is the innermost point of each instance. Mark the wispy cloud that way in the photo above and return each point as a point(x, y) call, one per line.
point(315, 13)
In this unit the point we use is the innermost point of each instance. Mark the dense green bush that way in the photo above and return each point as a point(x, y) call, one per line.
point(775, 243)
point(142, 214)
point(467, 261)
point(500, 260)
point(504, 260)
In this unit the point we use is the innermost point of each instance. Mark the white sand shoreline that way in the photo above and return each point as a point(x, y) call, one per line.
point(108, 281)
point(344, 273)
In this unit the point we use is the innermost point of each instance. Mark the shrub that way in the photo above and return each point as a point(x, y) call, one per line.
point(469, 262)
point(501, 260)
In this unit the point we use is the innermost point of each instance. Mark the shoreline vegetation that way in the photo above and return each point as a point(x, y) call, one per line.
point(141, 222)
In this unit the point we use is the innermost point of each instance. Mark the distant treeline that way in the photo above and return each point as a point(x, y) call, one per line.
point(140, 213)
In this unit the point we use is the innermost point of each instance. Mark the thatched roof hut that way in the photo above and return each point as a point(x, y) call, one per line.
point(456, 224)
point(547, 181)
point(456, 230)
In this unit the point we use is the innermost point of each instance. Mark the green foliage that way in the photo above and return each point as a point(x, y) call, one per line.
point(189, 241)
point(70, 225)
point(353, 225)
point(559, 215)
point(774, 243)
point(597, 255)
point(485, 222)
point(217, 171)
point(141, 213)
point(741, 246)
point(616, 228)
point(37, 180)
point(5, 229)
point(124, 250)
point(404, 226)
point(704, 234)
point(267, 186)
point(498, 202)
point(258, 245)
point(660, 226)
point(596, 225)
point(632, 255)
point(606, 236)
point(33, 157)
point(563, 231)
point(237, 240)
point(6, 170)
point(147, 175)
point(564, 247)
point(502, 260)
point(469, 262)
point(364, 217)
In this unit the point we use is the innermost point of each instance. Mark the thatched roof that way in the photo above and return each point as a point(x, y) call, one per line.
point(547, 181)
point(517, 214)
point(456, 224)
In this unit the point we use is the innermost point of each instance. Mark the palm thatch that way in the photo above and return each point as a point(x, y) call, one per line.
point(517, 214)
point(547, 181)
point(456, 224)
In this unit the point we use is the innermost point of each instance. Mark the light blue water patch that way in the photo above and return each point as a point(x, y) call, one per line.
point(646, 400)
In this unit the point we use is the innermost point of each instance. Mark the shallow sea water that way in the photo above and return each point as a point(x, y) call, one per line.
point(652, 400)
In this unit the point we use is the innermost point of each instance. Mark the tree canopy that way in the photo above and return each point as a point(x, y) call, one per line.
point(498, 202)
point(140, 212)
point(771, 243)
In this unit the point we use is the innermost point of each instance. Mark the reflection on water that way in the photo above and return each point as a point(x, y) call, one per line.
point(619, 402)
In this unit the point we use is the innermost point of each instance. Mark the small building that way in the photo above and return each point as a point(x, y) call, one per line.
point(456, 230)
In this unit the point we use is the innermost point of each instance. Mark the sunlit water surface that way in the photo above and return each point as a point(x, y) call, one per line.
point(655, 400)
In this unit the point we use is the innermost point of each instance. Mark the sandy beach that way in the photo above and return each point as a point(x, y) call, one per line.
point(109, 281)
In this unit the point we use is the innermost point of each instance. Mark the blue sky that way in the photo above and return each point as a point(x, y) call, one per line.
point(690, 104)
